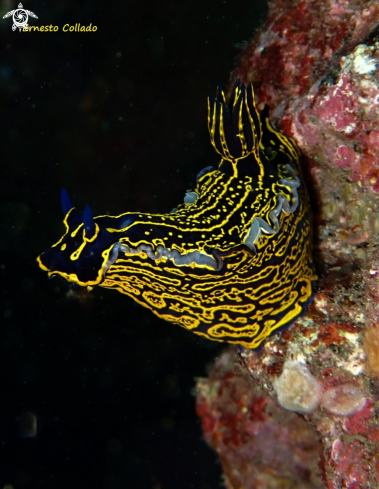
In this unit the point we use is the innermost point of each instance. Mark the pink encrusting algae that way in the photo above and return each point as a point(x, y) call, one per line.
point(303, 411)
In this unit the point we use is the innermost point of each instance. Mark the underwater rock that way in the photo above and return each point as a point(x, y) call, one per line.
point(330, 441)
point(260, 444)
point(344, 115)
point(371, 346)
point(315, 64)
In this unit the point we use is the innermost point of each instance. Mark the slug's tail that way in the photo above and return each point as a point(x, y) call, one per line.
point(234, 127)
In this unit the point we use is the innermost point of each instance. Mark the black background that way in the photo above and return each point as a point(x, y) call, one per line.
point(118, 118)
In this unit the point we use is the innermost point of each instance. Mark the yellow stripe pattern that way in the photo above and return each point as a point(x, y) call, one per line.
point(251, 215)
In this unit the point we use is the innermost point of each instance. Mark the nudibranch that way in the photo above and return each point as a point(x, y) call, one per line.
point(233, 262)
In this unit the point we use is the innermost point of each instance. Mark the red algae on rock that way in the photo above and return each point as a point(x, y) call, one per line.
point(345, 116)
point(351, 464)
point(299, 43)
point(316, 65)
point(259, 442)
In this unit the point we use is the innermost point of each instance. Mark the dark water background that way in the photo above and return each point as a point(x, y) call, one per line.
point(118, 117)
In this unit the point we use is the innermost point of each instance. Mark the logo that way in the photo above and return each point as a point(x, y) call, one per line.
point(20, 18)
